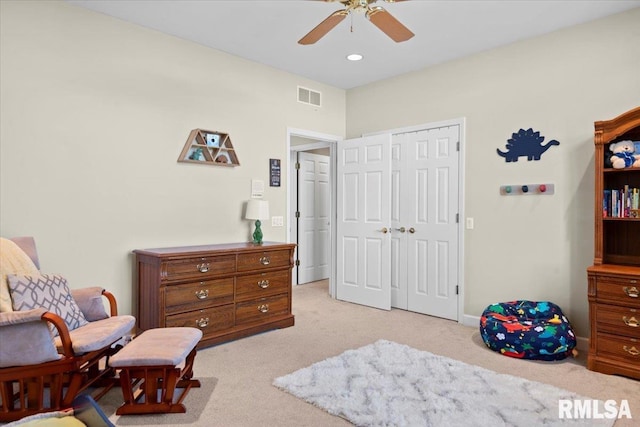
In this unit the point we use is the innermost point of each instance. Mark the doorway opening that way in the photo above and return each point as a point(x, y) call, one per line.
point(311, 205)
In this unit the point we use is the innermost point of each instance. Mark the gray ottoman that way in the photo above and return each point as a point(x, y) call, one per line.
point(153, 366)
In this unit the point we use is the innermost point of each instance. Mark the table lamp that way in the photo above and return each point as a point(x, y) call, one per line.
point(257, 209)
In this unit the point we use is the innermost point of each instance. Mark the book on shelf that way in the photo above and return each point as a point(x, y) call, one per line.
point(620, 203)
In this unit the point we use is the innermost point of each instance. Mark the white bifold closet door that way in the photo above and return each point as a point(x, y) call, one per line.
point(424, 220)
point(364, 212)
point(397, 228)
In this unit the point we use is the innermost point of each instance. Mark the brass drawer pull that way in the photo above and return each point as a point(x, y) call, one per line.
point(265, 260)
point(204, 267)
point(632, 351)
point(633, 322)
point(202, 293)
point(203, 322)
point(263, 308)
point(264, 284)
point(631, 291)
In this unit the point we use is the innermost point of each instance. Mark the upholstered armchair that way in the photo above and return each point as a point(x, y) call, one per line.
point(54, 342)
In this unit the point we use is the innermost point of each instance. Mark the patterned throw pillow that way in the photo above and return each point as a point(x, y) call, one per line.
point(49, 291)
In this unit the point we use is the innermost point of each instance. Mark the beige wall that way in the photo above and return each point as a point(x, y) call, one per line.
point(527, 247)
point(94, 113)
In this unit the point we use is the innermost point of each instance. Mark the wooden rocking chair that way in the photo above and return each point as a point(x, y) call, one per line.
point(39, 373)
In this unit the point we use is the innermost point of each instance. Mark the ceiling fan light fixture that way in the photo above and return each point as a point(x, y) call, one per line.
point(376, 14)
point(354, 57)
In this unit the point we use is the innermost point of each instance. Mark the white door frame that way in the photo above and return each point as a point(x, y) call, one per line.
point(322, 140)
point(460, 122)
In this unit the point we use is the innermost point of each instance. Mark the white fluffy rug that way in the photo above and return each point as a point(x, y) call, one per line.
point(390, 384)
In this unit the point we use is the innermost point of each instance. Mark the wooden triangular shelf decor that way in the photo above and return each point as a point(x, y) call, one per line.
point(209, 147)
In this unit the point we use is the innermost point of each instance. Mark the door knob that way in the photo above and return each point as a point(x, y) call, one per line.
point(384, 230)
point(401, 229)
point(412, 230)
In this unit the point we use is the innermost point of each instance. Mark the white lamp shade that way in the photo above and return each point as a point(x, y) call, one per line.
point(257, 209)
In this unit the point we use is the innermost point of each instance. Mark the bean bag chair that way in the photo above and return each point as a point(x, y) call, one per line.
point(527, 330)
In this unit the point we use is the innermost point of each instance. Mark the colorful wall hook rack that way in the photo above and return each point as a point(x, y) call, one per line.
point(527, 189)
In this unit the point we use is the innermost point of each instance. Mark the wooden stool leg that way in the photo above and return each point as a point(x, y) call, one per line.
point(170, 385)
point(154, 380)
point(187, 372)
point(151, 386)
point(127, 386)
point(162, 379)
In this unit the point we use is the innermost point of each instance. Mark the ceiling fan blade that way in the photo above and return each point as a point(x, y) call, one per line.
point(388, 24)
point(324, 27)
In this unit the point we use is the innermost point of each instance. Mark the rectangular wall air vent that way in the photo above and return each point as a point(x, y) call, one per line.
point(308, 96)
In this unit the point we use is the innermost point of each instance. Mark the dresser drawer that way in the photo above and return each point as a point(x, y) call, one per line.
point(618, 320)
point(262, 285)
point(619, 290)
point(265, 259)
point(190, 296)
point(209, 320)
point(198, 268)
point(261, 309)
point(627, 349)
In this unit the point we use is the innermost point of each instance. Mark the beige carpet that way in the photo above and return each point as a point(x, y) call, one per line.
point(239, 390)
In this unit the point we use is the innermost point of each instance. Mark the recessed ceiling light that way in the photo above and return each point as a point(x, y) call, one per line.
point(354, 57)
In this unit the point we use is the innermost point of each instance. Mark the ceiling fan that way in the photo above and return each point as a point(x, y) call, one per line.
point(376, 14)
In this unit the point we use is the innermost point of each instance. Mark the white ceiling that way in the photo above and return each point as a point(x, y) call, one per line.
point(268, 31)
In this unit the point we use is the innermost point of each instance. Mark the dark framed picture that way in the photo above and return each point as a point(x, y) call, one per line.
point(274, 172)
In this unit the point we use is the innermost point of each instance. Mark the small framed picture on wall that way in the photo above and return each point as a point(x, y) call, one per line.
point(274, 172)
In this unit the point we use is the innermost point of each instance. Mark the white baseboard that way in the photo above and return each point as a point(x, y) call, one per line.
point(472, 321)
point(582, 343)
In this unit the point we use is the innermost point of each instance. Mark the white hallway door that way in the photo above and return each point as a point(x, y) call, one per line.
point(363, 216)
point(314, 207)
point(416, 261)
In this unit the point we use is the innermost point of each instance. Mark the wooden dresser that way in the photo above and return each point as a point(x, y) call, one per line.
point(614, 278)
point(228, 291)
point(614, 308)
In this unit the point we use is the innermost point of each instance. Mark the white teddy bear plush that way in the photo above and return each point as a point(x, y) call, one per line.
point(624, 155)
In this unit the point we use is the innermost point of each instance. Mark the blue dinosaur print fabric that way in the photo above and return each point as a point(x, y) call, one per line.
point(527, 330)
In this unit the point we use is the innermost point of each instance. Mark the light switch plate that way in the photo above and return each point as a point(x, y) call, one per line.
point(277, 221)
point(257, 188)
